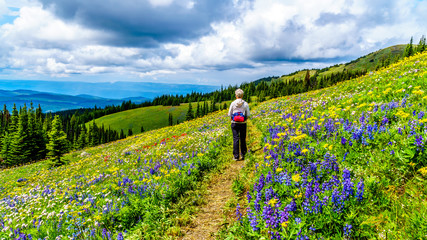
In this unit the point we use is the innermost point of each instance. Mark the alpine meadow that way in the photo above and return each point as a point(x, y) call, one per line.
point(347, 161)
point(203, 120)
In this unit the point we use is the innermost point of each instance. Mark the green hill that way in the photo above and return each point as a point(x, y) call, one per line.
point(369, 62)
point(150, 118)
point(153, 117)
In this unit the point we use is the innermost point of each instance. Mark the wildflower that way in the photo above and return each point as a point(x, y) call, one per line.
point(296, 178)
point(347, 230)
point(120, 236)
point(272, 202)
point(238, 213)
point(360, 190)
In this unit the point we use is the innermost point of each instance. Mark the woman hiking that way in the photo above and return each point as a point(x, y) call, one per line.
point(239, 113)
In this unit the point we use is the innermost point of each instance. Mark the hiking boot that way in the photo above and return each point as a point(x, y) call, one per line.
point(235, 159)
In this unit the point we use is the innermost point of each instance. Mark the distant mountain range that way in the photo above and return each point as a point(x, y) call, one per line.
point(112, 90)
point(52, 102)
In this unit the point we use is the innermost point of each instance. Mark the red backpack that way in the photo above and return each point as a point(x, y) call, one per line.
point(238, 117)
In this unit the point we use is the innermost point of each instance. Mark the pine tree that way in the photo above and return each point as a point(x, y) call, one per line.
point(189, 115)
point(130, 133)
point(409, 50)
point(307, 83)
point(422, 44)
point(7, 139)
point(20, 143)
point(122, 134)
point(142, 129)
point(170, 119)
point(93, 135)
point(81, 141)
point(197, 111)
point(58, 142)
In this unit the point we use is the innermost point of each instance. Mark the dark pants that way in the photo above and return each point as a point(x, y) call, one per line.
point(239, 135)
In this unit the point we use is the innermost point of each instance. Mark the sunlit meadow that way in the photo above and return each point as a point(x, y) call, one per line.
point(345, 162)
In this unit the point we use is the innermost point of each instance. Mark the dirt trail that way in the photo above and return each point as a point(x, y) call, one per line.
point(211, 215)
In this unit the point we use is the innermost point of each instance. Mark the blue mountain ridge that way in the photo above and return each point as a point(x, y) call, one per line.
point(52, 102)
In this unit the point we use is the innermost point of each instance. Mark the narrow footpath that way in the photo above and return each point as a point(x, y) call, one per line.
point(210, 217)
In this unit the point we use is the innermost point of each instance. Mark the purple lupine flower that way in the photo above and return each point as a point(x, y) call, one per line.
point(120, 236)
point(248, 196)
point(104, 233)
point(252, 220)
point(260, 183)
point(385, 120)
point(238, 213)
point(343, 140)
point(347, 230)
point(345, 155)
point(257, 206)
point(270, 217)
point(419, 141)
point(360, 190)
point(268, 178)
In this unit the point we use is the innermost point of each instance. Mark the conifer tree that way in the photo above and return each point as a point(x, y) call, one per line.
point(409, 50)
point(170, 119)
point(58, 142)
point(189, 115)
point(198, 114)
point(142, 129)
point(122, 134)
point(130, 133)
point(93, 135)
point(20, 142)
point(81, 141)
point(422, 44)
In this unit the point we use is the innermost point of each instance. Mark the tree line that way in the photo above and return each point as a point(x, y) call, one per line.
point(27, 135)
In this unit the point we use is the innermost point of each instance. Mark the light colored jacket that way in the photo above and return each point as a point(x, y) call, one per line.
point(239, 105)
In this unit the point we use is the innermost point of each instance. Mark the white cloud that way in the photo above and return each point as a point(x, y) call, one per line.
point(264, 37)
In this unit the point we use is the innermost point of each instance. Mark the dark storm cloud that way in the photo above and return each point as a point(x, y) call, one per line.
point(139, 23)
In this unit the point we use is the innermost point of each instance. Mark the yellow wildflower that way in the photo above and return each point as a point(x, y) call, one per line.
point(296, 178)
point(279, 170)
point(285, 224)
point(272, 202)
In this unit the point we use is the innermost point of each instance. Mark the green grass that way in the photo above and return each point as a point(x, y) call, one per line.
point(153, 117)
point(368, 62)
point(150, 118)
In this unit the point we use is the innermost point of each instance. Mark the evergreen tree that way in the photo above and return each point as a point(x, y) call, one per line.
point(170, 119)
point(306, 82)
point(189, 115)
point(409, 50)
point(130, 133)
point(58, 142)
point(81, 141)
point(198, 113)
point(422, 44)
point(142, 129)
point(20, 143)
point(122, 134)
point(93, 135)
point(213, 106)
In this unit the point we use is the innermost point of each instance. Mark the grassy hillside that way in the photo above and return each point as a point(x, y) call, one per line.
point(124, 186)
point(368, 63)
point(153, 117)
point(345, 162)
point(150, 118)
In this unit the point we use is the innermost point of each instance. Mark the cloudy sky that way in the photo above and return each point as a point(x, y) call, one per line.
point(193, 41)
